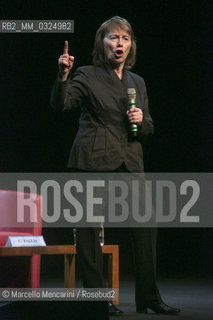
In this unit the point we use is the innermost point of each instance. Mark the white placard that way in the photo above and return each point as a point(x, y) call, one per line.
point(25, 241)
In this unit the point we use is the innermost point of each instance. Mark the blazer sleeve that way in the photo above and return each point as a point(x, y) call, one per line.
point(70, 94)
point(146, 127)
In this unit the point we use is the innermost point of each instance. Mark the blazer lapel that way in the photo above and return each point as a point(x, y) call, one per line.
point(121, 86)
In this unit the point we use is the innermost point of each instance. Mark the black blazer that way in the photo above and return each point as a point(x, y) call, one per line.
point(104, 140)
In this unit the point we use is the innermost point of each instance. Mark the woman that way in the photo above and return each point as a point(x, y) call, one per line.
point(104, 142)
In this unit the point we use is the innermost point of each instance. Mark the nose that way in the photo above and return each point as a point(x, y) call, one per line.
point(120, 42)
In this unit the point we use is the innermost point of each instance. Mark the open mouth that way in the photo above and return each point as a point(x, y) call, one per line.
point(118, 53)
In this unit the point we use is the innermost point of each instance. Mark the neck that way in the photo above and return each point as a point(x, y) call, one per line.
point(119, 71)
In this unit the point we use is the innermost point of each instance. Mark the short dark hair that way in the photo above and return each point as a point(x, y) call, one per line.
point(107, 26)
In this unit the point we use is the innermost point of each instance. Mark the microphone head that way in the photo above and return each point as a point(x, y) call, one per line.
point(131, 93)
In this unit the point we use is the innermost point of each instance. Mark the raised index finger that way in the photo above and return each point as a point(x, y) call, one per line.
point(66, 47)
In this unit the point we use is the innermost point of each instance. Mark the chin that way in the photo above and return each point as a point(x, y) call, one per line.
point(116, 62)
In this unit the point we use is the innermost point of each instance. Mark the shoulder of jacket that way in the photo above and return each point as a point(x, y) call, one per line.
point(135, 77)
point(85, 69)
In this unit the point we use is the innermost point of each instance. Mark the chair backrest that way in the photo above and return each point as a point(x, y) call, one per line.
point(30, 206)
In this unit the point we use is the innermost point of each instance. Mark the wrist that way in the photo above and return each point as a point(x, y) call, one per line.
point(63, 76)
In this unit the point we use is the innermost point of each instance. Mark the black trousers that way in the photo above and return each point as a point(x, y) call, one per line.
point(144, 249)
point(91, 263)
point(144, 253)
point(90, 257)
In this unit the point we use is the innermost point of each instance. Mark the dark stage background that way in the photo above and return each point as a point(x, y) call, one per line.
point(174, 56)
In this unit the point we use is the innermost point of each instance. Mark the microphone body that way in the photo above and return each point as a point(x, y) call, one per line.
point(131, 92)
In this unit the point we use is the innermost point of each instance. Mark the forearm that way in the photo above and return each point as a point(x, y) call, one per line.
point(146, 127)
point(58, 93)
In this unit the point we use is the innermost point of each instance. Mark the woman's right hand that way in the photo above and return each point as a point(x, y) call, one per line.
point(65, 62)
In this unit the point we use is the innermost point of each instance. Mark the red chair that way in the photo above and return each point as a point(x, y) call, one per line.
point(9, 226)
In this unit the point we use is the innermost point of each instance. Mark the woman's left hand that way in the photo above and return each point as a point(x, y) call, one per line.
point(135, 115)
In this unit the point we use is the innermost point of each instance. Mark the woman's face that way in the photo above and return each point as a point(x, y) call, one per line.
point(117, 44)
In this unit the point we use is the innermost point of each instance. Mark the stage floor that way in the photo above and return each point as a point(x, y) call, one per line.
point(193, 296)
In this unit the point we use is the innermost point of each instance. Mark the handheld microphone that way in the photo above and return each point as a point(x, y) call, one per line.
point(131, 92)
